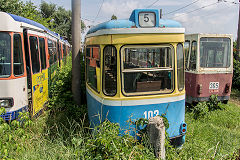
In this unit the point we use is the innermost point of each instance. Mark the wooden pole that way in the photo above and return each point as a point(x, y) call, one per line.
point(76, 44)
point(238, 35)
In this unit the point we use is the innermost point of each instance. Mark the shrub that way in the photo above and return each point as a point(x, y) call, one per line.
point(200, 110)
point(236, 74)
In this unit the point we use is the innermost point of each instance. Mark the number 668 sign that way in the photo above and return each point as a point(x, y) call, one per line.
point(147, 19)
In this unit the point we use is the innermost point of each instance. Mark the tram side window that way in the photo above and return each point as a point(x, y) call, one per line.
point(42, 52)
point(180, 67)
point(193, 56)
point(34, 54)
point(186, 51)
point(93, 67)
point(18, 66)
point(215, 52)
point(147, 69)
point(51, 51)
point(5, 55)
point(110, 70)
point(55, 55)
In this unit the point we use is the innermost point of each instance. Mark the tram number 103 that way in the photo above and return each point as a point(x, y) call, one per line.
point(149, 114)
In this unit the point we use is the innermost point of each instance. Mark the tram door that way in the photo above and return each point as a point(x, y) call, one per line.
point(37, 71)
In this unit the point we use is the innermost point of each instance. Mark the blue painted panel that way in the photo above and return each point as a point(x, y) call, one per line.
point(28, 21)
point(174, 111)
point(112, 24)
point(13, 115)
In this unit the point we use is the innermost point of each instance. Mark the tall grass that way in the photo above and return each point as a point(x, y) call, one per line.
point(63, 132)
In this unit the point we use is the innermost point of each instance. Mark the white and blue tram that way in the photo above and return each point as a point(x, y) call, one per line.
point(29, 55)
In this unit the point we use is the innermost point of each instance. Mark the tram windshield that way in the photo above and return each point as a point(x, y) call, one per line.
point(147, 69)
point(5, 55)
point(215, 52)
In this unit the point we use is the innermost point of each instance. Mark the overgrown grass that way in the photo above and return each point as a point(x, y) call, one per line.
point(63, 132)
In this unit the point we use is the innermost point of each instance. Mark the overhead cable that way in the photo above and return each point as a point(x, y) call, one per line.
point(98, 11)
point(196, 9)
point(181, 8)
point(152, 4)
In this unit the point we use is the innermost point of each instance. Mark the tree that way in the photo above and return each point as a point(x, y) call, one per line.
point(114, 17)
point(61, 17)
point(47, 10)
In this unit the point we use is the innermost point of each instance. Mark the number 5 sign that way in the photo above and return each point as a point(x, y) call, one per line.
point(147, 19)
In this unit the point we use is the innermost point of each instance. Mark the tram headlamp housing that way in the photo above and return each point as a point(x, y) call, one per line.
point(6, 102)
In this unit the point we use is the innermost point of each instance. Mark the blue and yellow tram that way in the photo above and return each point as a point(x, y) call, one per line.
point(135, 69)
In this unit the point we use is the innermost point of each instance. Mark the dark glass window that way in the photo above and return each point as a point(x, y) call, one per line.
point(215, 52)
point(193, 56)
point(186, 50)
point(93, 68)
point(180, 67)
point(147, 69)
point(18, 66)
point(110, 70)
point(34, 54)
point(50, 51)
point(42, 52)
point(5, 55)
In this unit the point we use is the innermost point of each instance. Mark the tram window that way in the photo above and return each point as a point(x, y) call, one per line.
point(215, 52)
point(5, 55)
point(110, 70)
point(42, 52)
point(93, 68)
point(186, 50)
point(50, 51)
point(147, 69)
point(18, 66)
point(180, 67)
point(64, 50)
point(34, 54)
point(55, 56)
point(193, 56)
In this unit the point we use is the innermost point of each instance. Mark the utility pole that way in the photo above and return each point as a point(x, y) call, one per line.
point(238, 35)
point(76, 45)
point(160, 13)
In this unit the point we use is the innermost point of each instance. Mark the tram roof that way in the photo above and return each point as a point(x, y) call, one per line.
point(132, 22)
point(31, 22)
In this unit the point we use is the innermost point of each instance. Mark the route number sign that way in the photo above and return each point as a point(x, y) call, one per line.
point(214, 85)
point(147, 19)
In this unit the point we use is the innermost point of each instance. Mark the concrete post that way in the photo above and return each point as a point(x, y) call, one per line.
point(156, 133)
point(76, 43)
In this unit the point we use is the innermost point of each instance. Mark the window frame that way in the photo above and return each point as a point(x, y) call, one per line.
point(11, 55)
point(103, 71)
point(149, 92)
point(86, 65)
point(21, 55)
point(45, 53)
point(187, 56)
point(179, 68)
point(30, 53)
point(228, 55)
point(196, 56)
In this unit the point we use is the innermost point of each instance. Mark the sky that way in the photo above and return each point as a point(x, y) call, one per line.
point(196, 16)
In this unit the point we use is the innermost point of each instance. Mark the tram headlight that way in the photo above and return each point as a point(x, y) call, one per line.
point(6, 103)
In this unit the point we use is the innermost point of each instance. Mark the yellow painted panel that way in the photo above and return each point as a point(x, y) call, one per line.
point(135, 39)
point(105, 39)
point(45, 85)
point(147, 38)
point(39, 81)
